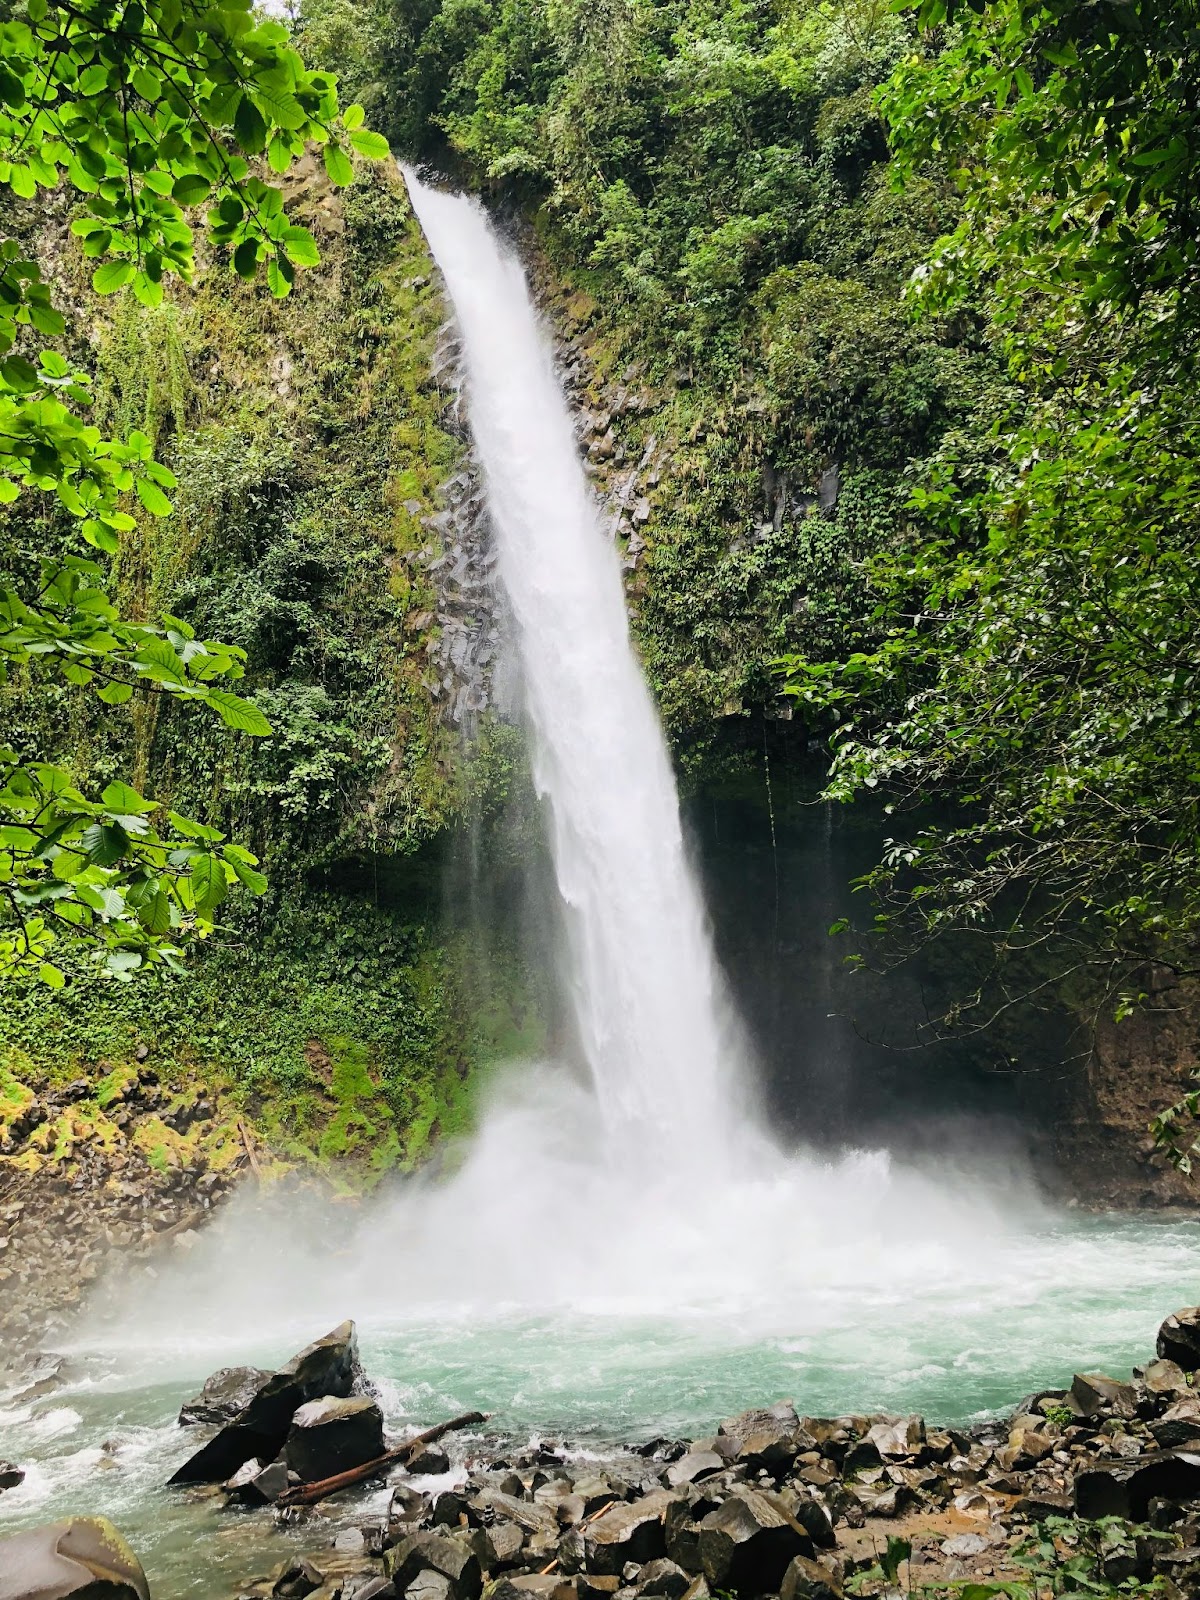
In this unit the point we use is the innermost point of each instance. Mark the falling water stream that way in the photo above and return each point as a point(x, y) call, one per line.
point(623, 1249)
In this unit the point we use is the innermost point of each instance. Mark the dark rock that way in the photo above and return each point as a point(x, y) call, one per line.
point(333, 1434)
point(10, 1475)
point(256, 1485)
point(1040, 1504)
point(1092, 1395)
point(807, 1579)
point(224, 1394)
point(429, 1463)
point(663, 1577)
point(499, 1546)
point(767, 1439)
point(297, 1580)
point(83, 1556)
point(899, 1439)
point(814, 1519)
point(693, 1466)
point(747, 1543)
point(1164, 1378)
point(1125, 1489)
point(445, 1555)
point(449, 1510)
point(260, 1430)
point(891, 1502)
point(1179, 1424)
point(624, 1533)
point(1179, 1339)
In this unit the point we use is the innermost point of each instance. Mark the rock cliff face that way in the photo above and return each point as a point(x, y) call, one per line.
point(1137, 1068)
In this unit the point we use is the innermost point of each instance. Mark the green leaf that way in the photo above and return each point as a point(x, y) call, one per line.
point(245, 258)
point(254, 881)
point(239, 713)
point(337, 165)
point(113, 275)
point(371, 145)
point(208, 884)
point(53, 977)
point(152, 497)
point(104, 843)
point(301, 247)
point(353, 116)
point(190, 189)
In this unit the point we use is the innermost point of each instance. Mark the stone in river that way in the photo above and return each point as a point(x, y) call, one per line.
point(332, 1435)
point(10, 1475)
point(747, 1544)
point(83, 1556)
point(1179, 1339)
point(428, 1463)
point(256, 1485)
point(224, 1394)
point(326, 1367)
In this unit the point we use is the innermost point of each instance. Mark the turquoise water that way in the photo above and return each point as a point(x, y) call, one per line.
point(1072, 1293)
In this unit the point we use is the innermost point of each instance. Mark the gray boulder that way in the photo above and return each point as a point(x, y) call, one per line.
point(1126, 1488)
point(624, 1533)
point(333, 1434)
point(1179, 1339)
point(83, 1556)
point(255, 1485)
point(1093, 1394)
point(260, 1429)
point(10, 1475)
point(1179, 1423)
point(693, 1466)
point(768, 1439)
point(440, 1562)
point(224, 1394)
point(747, 1544)
point(662, 1578)
point(806, 1579)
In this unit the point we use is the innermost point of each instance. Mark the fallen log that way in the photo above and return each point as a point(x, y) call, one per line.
point(307, 1494)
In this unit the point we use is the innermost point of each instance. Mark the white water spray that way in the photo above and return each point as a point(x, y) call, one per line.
point(646, 993)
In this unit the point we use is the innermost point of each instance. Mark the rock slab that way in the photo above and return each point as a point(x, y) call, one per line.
point(83, 1556)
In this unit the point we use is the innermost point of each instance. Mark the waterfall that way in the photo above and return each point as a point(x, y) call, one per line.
point(648, 999)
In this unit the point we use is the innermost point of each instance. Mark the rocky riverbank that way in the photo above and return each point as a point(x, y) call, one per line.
point(97, 1178)
point(1095, 1486)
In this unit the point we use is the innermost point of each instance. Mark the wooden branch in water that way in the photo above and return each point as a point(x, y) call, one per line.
point(307, 1494)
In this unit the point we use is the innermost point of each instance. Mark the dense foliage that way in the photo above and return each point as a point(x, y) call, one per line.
point(147, 111)
point(1028, 683)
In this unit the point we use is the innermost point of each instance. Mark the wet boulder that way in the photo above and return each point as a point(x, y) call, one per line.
point(10, 1475)
point(435, 1561)
point(333, 1434)
point(1126, 1488)
point(224, 1394)
point(628, 1532)
point(747, 1544)
point(1179, 1339)
point(83, 1556)
point(255, 1485)
point(260, 1429)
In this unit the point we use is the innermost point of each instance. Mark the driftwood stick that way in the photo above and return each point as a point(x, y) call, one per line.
point(307, 1494)
point(249, 1149)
